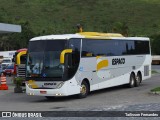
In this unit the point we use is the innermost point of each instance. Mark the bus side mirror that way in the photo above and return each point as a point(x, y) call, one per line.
point(63, 53)
point(18, 60)
point(13, 59)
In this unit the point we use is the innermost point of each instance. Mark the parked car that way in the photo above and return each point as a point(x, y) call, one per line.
point(9, 70)
point(6, 62)
point(1, 70)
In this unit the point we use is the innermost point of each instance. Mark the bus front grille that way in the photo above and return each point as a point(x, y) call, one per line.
point(21, 71)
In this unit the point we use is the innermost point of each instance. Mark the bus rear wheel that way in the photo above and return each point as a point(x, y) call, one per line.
point(84, 90)
point(138, 80)
point(132, 81)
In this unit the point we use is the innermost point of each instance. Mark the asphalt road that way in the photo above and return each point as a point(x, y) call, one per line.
point(118, 98)
point(106, 99)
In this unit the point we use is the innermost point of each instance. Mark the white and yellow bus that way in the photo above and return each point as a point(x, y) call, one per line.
point(69, 64)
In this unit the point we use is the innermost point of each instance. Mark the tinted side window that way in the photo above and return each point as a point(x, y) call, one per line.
point(142, 47)
point(92, 48)
point(74, 58)
point(129, 47)
point(74, 44)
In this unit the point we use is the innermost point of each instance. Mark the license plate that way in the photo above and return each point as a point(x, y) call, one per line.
point(43, 92)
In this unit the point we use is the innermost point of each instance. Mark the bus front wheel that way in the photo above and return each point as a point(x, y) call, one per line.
point(84, 90)
point(132, 81)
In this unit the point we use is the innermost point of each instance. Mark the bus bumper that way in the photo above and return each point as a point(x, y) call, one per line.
point(66, 90)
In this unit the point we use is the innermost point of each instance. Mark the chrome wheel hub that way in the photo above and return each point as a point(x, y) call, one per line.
point(83, 89)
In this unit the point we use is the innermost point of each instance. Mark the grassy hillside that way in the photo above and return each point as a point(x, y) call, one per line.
point(60, 16)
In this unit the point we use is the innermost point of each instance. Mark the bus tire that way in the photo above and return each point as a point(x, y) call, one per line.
point(132, 81)
point(138, 80)
point(84, 90)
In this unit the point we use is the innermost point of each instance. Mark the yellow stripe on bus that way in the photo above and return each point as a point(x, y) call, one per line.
point(32, 84)
point(102, 64)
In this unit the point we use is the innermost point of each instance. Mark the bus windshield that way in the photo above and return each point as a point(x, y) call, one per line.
point(44, 58)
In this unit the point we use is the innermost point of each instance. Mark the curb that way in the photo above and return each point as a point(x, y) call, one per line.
point(155, 93)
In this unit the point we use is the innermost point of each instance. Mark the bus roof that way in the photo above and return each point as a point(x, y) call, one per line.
point(62, 36)
point(91, 35)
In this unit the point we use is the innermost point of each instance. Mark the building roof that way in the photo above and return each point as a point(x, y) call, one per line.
point(8, 28)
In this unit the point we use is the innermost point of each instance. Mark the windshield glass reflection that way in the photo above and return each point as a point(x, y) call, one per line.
point(44, 61)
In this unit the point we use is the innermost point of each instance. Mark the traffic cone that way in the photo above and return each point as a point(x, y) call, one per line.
point(3, 82)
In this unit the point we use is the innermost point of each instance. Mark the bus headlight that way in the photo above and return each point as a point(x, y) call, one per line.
point(60, 85)
point(30, 93)
point(28, 84)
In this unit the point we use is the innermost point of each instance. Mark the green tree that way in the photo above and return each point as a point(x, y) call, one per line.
point(13, 41)
point(4, 42)
point(121, 27)
point(20, 40)
point(155, 44)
